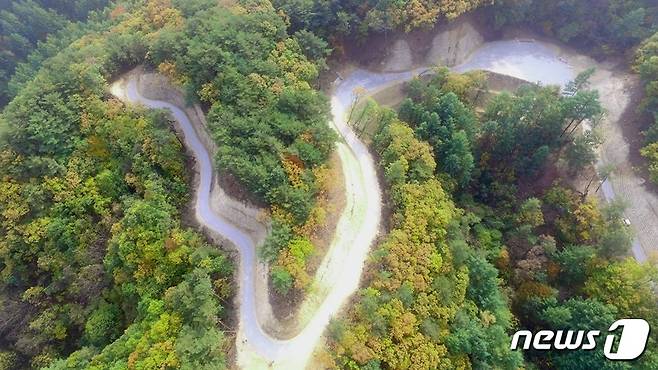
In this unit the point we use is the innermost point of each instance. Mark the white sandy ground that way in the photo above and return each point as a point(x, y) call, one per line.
point(339, 274)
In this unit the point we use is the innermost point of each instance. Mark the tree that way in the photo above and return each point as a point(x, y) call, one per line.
point(615, 240)
point(581, 82)
point(314, 48)
point(103, 325)
point(483, 285)
point(458, 160)
point(647, 64)
point(8, 360)
point(610, 27)
point(579, 314)
point(278, 238)
point(581, 152)
point(650, 152)
point(486, 345)
point(575, 262)
point(444, 121)
point(530, 213)
point(584, 105)
point(198, 344)
point(627, 285)
point(405, 158)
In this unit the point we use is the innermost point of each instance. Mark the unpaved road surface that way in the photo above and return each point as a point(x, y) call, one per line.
point(625, 183)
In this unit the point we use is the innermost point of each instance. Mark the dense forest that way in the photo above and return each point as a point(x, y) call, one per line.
point(24, 24)
point(94, 257)
point(431, 301)
point(560, 252)
point(100, 268)
point(601, 27)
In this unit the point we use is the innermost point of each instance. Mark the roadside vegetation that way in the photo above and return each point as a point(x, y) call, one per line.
point(268, 121)
point(348, 18)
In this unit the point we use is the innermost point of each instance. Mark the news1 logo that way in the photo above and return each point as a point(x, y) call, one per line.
point(631, 344)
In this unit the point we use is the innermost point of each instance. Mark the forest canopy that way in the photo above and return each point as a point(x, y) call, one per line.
point(494, 259)
point(100, 267)
point(24, 24)
point(602, 27)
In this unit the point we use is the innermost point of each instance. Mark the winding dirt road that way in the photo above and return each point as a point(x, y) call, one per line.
point(339, 274)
